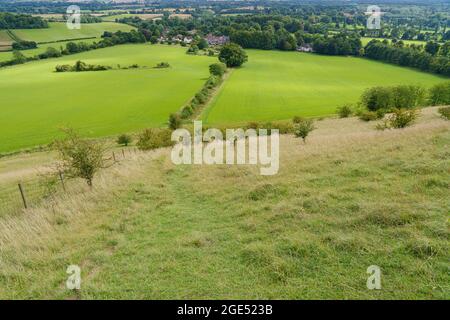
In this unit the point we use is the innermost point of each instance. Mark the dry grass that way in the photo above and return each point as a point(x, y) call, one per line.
point(350, 197)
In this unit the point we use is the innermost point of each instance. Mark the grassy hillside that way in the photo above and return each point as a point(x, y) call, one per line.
point(279, 85)
point(36, 101)
point(58, 31)
point(350, 198)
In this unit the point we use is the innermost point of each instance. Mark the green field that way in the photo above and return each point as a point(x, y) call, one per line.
point(58, 31)
point(36, 101)
point(278, 85)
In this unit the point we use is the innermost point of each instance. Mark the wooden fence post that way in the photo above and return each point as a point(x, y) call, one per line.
point(123, 153)
point(61, 177)
point(22, 193)
point(114, 156)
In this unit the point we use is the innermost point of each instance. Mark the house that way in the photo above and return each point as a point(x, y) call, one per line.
point(305, 48)
point(217, 40)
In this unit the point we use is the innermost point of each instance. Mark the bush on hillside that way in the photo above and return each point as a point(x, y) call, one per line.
point(80, 158)
point(344, 111)
point(440, 94)
point(402, 118)
point(303, 128)
point(124, 139)
point(368, 116)
point(390, 98)
point(154, 138)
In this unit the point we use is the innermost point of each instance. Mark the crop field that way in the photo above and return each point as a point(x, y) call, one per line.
point(279, 85)
point(36, 101)
point(58, 31)
point(366, 40)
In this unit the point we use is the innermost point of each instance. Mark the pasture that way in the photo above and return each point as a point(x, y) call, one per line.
point(36, 101)
point(275, 85)
point(58, 31)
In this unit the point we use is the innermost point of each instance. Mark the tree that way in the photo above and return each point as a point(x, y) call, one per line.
point(217, 69)
point(80, 158)
point(18, 57)
point(432, 47)
point(232, 55)
point(174, 121)
point(202, 44)
point(124, 139)
point(303, 128)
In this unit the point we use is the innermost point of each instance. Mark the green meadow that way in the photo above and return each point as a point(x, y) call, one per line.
point(58, 31)
point(36, 101)
point(275, 85)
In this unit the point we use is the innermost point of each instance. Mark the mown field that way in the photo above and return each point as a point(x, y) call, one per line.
point(36, 101)
point(349, 198)
point(58, 31)
point(277, 85)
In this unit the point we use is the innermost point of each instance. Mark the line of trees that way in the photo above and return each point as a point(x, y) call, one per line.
point(409, 57)
point(21, 21)
point(109, 40)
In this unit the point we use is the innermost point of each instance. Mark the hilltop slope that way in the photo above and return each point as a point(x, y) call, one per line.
point(350, 198)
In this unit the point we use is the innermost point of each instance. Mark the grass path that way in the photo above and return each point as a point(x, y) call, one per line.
point(351, 197)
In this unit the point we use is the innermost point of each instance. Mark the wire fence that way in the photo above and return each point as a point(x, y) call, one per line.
point(24, 194)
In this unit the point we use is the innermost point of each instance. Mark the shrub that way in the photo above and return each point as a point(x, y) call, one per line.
point(377, 98)
point(217, 69)
point(80, 158)
point(186, 112)
point(174, 121)
point(154, 138)
point(63, 68)
point(440, 94)
point(24, 45)
point(344, 111)
point(303, 128)
point(193, 49)
point(368, 116)
point(162, 65)
point(124, 139)
point(445, 112)
point(402, 118)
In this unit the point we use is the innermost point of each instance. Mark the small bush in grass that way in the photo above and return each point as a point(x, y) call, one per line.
point(402, 118)
point(303, 128)
point(124, 139)
point(154, 138)
point(445, 112)
point(174, 121)
point(80, 158)
point(345, 111)
point(368, 116)
point(162, 65)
